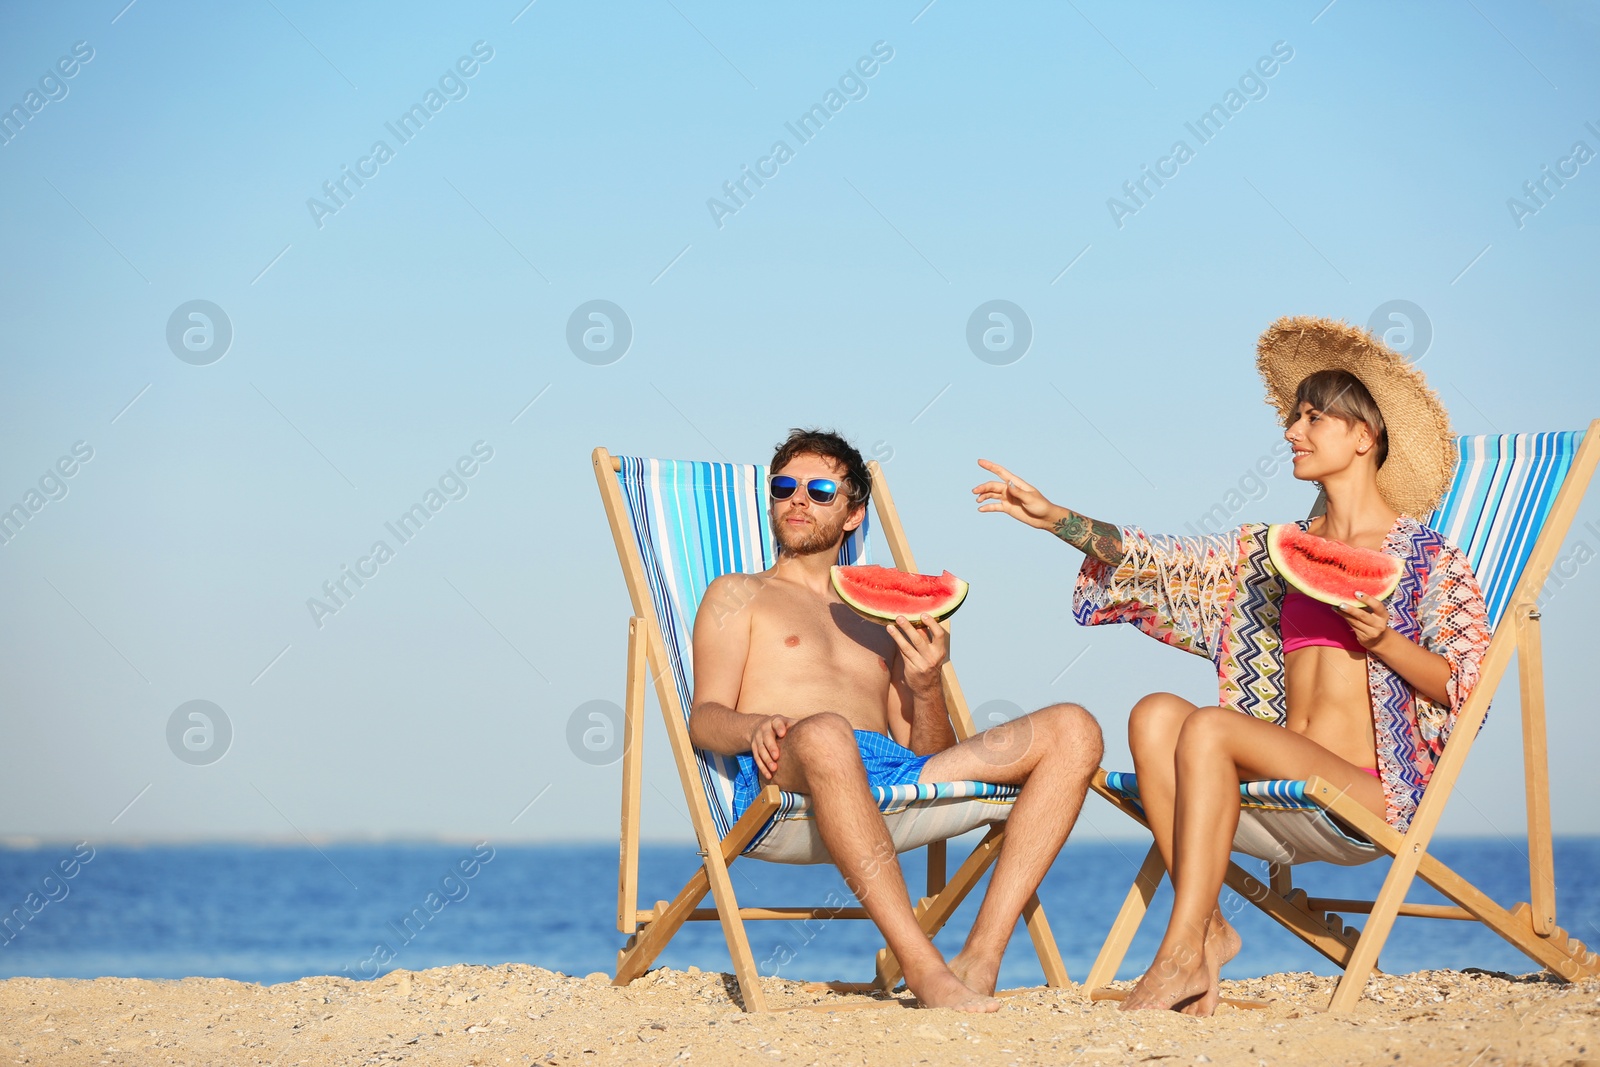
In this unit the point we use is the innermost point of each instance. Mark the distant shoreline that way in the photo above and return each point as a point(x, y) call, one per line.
point(31, 843)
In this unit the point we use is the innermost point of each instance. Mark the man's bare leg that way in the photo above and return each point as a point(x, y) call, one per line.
point(1153, 727)
point(820, 758)
point(1217, 748)
point(1052, 754)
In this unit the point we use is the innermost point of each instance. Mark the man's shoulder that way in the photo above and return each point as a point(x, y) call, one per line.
point(737, 585)
point(731, 595)
point(738, 578)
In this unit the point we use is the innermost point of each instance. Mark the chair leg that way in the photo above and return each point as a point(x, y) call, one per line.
point(712, 877)
point(1536, 775)
point(632, 777)
point(744, 961)
point(647, 944)
point(1322, 930)
point(1563, 955)
point(643, 947)
point(1374, 932)
point(1281, 877)
point(938, 851)
point(1134, 906)
point(1044, 944)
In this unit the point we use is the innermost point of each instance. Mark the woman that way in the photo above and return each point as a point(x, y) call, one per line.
point(1367, 691)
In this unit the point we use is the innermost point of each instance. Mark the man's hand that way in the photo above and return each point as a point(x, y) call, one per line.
point(924, 650)
point(764, 742)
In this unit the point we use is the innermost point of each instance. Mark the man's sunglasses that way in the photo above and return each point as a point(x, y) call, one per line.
point(820, 490)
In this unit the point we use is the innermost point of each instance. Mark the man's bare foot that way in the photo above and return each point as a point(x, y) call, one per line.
point(1175, 975)
point(942, 989)
point(980, 977)
point(1222, 944)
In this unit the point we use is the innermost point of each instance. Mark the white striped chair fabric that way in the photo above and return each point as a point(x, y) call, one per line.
point(695, 521)
point(1499, 498)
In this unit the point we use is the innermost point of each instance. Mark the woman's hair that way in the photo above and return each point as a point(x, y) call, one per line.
point(1339, 393)
point(829, 445)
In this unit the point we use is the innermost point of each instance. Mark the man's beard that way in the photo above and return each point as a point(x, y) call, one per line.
point(820, 537)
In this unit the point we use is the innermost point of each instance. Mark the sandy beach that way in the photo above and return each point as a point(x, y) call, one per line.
point(517, 1014)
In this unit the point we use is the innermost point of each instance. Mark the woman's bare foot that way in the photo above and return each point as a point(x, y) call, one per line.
point(1222, 944)
point(942, 989)
point(980, 977)
point(1175, 975)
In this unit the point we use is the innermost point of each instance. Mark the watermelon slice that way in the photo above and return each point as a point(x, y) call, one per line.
point(1331, 571)
point(881, 593)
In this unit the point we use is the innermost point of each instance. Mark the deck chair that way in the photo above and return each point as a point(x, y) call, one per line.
point(1509, 506)
point(677, 525)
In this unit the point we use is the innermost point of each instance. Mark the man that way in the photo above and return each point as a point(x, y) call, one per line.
point(820, 701)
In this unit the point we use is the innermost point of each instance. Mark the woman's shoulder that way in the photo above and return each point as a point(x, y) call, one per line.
point(1412, 529)
point(1430, 548)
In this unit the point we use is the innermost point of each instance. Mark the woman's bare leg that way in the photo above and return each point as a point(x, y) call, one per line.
point(1153, 729)
point(1216, 750)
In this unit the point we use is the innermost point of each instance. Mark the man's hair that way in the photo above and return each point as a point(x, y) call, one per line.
point(829, 445)
point(1340, 394)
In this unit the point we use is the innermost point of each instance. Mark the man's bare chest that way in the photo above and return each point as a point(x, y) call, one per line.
point(800, 632)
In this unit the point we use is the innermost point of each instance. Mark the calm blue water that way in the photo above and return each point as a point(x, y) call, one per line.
point(277, 914)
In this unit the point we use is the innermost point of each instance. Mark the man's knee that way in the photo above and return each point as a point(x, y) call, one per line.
point(1073, 733)
point(826, 735)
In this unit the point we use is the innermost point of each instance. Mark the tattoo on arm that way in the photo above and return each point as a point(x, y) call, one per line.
point(1099, 539)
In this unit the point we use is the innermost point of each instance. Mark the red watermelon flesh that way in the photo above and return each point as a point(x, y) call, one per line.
point(882, 592)
point(1331, 571)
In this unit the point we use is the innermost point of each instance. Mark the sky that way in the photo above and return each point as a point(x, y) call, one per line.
point(275, 272)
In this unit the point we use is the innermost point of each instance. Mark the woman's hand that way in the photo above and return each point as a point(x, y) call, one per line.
point(1426, 672)
point(1015, 497)
point(1368, 618)
point(1026, 504)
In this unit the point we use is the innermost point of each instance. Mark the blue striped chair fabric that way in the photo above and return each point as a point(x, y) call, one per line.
point(1503, 490)
point(1499, 498)
point(693, 522)
point(1278, 795)
point(1278, 823)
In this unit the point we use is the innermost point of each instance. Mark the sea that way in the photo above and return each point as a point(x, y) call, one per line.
point(276, 914)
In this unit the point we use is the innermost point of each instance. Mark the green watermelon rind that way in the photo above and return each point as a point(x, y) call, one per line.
point(1285, 567)
point(940, 611)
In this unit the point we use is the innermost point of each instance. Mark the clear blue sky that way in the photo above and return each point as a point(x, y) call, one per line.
point(374, 345)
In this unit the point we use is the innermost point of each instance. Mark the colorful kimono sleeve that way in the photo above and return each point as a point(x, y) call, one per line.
point(1174, 589)
point(1454, 624)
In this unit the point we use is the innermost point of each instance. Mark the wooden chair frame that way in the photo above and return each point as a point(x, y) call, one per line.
point(652, 928)
point(1531, 927)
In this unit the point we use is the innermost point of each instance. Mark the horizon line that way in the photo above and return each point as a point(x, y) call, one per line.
point(36, 842)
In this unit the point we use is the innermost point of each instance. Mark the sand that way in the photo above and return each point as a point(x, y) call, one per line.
point(517, 1014)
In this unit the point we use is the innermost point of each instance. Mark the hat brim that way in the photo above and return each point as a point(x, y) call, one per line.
point(1422, 449)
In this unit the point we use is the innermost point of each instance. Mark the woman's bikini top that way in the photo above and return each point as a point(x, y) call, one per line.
point(1305, 622)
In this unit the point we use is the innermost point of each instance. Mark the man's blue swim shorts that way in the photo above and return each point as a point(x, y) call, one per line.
point(887, 763)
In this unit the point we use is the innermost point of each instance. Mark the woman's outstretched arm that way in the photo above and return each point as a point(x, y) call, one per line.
point(1099, 539)
point(1023, 502)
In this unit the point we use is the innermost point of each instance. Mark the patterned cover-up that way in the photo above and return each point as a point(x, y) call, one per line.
point(1219, 597)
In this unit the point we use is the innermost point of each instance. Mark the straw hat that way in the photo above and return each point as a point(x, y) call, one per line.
point(1422, 449)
